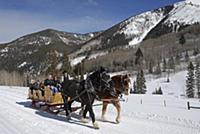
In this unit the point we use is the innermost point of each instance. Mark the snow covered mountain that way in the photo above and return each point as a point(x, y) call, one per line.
point(185, 13)
point(150, 24)
point(31, 52)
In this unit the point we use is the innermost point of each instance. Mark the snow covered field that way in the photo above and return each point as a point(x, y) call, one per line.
point(150, 117)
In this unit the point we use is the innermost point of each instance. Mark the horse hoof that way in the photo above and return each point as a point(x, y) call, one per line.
point(84, 120)
point(117, 121)
point(103, 118)
point(68, 117)
point(95, 125)
point(80, 112)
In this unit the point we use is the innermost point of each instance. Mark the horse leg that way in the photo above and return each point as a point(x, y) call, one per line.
point(82, 109)
point(118, 107)
point(83, 119)
point(66, 106)
point(105, 104)
point(92, 115)
point(70, 106)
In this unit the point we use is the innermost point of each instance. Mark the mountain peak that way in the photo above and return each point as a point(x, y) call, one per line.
point(196, 2)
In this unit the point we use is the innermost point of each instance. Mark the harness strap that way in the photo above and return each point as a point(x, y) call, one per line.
point(75, 96)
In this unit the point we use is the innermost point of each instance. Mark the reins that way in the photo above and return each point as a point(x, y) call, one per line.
point(76, 97)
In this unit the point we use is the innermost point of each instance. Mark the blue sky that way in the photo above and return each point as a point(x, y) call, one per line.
point(20, 17)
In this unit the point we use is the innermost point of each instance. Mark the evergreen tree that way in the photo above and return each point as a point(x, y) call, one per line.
point(171, 63)
point(160, 91)
point(164, 65)
point(82, 69)
point(139, 57)
point(190, 81)
point(182, 39)
point(140, 83)
point(195, 51)
point(168, 76)
point(158, 69)
point(197, 77)
point(177, 59)
point(143, 81)
point(150, 68)
point(187, 58)
point(137, 83)
point(133, 89)
point(66, 64)
point(52, 63)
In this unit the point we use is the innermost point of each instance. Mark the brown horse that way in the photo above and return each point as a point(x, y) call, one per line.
point(122, 86)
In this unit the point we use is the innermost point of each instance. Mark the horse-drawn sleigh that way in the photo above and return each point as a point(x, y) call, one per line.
point(97, 86)
point(44, 99)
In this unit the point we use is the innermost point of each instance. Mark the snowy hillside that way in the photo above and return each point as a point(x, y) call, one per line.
point(144, 26)
point(150, 117)
point(184, 13)
point(176, 87)
point(138, 27)
point(30, 52)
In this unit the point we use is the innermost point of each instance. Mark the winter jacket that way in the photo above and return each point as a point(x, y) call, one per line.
point(48, 82)
point(33, 86)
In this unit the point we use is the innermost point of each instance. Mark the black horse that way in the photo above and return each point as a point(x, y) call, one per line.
point(94, 87)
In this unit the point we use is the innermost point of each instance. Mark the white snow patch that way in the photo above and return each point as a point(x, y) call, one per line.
point(94, 56)
point(48, 42)
point(23, 64)
point(42, 39)
point(75, 35)
point(176, 87)
point(58, 67)
point(197, 2)
point(77, 60)
point(32, 42)
point(65, 40)
point(5, 50)
point(91, 35)
point(184, 13)
point(137, 27)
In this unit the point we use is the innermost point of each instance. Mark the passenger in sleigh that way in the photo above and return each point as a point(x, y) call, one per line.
point(33, 89)
point(34, 85)
point(57, 83)
point(50, 82)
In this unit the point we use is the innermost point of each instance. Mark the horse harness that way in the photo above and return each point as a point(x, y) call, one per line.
point(86, 90)
point(122, 90)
